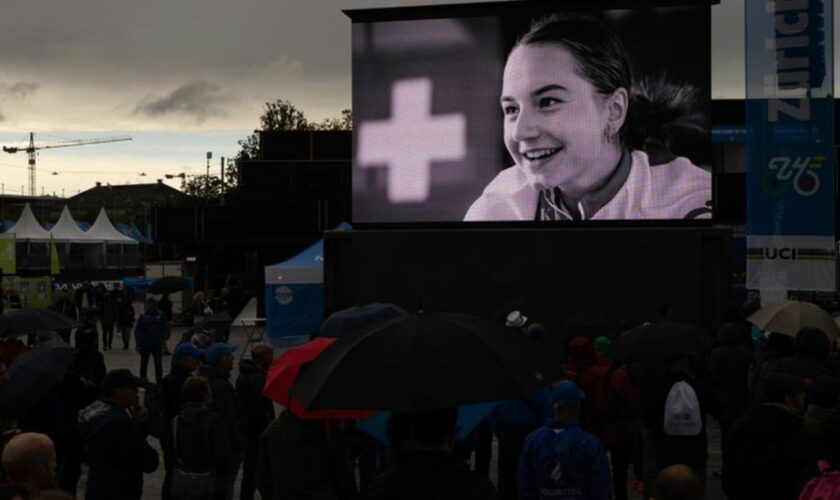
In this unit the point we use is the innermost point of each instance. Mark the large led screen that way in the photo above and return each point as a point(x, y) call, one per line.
point(532, 115)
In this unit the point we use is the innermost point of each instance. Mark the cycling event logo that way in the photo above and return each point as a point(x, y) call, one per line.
point(798, 172)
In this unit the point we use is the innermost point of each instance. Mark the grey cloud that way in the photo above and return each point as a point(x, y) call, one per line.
point(198, 99)
point(19, 90)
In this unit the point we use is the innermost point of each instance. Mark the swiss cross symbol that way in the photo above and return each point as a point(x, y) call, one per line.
point(410, 140)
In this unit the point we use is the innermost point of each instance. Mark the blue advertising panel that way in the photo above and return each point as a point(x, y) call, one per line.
point(790, 148)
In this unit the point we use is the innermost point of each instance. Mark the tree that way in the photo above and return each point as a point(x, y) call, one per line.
point(278, 115)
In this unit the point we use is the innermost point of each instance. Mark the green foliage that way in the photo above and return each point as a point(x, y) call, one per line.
point(278, 115)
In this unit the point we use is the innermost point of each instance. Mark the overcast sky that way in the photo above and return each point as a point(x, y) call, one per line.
point(183, 77)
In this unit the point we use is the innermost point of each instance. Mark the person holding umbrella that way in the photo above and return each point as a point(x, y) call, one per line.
point(427, 468)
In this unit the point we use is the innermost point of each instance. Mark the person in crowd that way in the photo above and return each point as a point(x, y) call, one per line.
point(561, 460)
point(197, 441)
point(512, 421)
point(185, 361)
point(678, 482)
point(87, 333)
point(217, 369)
point(84, 298)
point(777, 347)
point(825, 467)
point(29, 462)
point(812, 350)
point(64, 305)
point(89, 360)
point(201, 340)
point(117, 451)
point(427, 468)
point(608, 411)
point(125, 316)
point(165, 306)
point(730, 366)
point(602, 167)
point(149, 338)
point(654, 379)
point(580, 355)
point(823, 398)
point(258, 411)
point(108, 319)
point(79, 389)
point(766, 450)
point(305, 459)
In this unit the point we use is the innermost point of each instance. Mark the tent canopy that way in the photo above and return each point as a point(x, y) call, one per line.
point(103, 230)
point(27, 227)
point(66, 230)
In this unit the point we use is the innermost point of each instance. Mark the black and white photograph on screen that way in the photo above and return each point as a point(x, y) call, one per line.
point(595, 115)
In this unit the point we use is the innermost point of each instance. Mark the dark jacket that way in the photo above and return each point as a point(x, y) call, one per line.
point(257, 409)
point(429, 475)
point(226, 404)
point(564, 446)
point(765, 454)
point(117, 453)
point(150, 331)
point(297, 459)
point(730, 372)
point(171, 386)
point(203, 441)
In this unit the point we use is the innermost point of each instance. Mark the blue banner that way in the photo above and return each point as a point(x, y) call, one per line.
point(790, 147)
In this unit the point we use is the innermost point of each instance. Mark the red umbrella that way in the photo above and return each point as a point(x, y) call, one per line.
point(283, 373)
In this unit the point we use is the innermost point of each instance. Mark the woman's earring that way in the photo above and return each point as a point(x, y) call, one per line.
point(609, 135)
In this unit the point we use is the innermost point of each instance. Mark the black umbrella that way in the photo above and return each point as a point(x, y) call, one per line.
point(29, 321)
point(169, 284)
point(423, 362)
point(354, 318)
point(34, 373)
point(659, 341)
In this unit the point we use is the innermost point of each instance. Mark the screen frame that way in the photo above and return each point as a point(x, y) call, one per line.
point(528, 7)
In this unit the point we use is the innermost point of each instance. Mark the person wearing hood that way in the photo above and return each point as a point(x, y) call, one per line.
point(730, 365)
point(217, 369)
point(812, 350)
point(117, 451)
point(589, 141)
point(197, 442)
point(257, 409)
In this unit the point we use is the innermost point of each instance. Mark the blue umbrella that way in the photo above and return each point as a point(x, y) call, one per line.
point(469, 416)
point(354, 318)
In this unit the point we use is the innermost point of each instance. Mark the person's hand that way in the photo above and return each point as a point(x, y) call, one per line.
point(139, 414)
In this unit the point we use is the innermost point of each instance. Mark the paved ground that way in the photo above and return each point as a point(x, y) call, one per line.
point(119, 358)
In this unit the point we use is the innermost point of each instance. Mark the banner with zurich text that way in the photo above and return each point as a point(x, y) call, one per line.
point(790, 150)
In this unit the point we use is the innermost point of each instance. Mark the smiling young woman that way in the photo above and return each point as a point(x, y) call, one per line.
point(568, 100)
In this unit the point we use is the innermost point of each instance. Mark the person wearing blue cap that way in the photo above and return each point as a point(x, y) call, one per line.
point(561, 461)
point(185, 360)
point(218, 366)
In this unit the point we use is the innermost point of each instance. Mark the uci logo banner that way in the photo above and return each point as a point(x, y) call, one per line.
point(790, 152)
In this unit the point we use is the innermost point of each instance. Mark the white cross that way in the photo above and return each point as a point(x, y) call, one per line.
point(409, 141)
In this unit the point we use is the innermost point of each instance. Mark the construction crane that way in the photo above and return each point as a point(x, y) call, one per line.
point(32, 148)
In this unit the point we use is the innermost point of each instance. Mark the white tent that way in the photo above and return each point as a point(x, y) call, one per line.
point(103, 230)
point(27, 228)
point(66, 230)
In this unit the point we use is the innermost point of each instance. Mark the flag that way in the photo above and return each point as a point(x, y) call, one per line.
point(54, 266)
point(7, 254)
